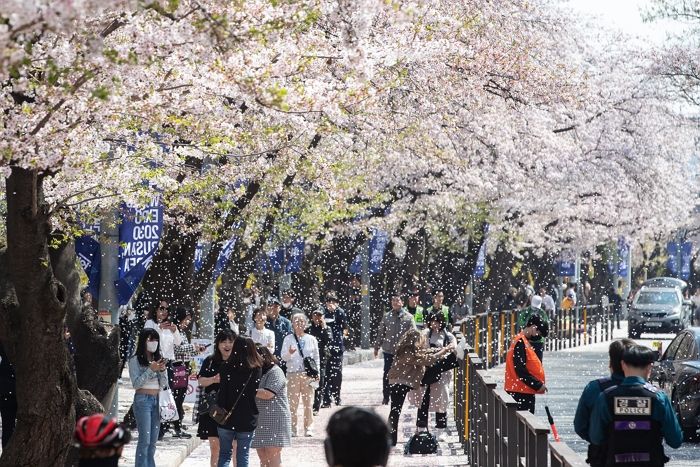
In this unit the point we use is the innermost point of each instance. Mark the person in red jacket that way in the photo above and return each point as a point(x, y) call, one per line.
point(524, 370)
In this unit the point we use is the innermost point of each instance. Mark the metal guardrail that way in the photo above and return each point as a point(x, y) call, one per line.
point(490, 334)
point(491, 429)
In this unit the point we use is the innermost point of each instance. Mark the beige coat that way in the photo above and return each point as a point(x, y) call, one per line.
point(409, 367)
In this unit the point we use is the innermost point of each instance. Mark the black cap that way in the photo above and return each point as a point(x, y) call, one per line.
point(639, 356)
point(290, 293)
point(273, 301)
point(539, 323)
point(318, 311)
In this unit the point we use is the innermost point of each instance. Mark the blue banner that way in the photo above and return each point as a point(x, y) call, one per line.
point(295, 256)
point(623, 251)
point(377, 246)
point(88, 252)
point(480, 268)
point(672, 263)
point(139, 235)
point(567, 264)
point(198, 256)
point(271, 260)
point(223, 258)
point(686, 256)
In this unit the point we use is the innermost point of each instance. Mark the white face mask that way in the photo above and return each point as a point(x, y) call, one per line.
point(287, 305)
point(246, 301)
point(152, 346)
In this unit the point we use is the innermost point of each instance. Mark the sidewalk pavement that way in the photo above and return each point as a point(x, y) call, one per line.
point(567, 373)
point(171, 452)
point(362, 386)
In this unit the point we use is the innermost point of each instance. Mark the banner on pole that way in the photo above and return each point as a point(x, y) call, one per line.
point(139, 235)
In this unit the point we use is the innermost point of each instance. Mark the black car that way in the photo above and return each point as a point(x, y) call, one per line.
point(678, 373)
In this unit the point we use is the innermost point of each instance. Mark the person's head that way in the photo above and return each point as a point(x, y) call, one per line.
point(259, 317)
point(357, 437)
point(396, 302)
point(542, 291)
point(86, 297)
point(230, 313)
point(244, 354)
point(438, 298)
point(273, 308)
point(411, 341)
point(148, 346)
point(247, 296)
point(288, 298)
point(268, 358)
point(317, 317)
point(615, 352)
point(160, 312)
point(536, 327)
point(99, 436)
point(299, 323)
point(331, 301)
point(355, 281)
point(436, 321)
point(637, 361)
point(536, 301)
point(183, 317)
point(223, 344)
point(413, 298)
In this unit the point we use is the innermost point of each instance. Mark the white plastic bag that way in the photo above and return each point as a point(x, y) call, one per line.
point(168, 409)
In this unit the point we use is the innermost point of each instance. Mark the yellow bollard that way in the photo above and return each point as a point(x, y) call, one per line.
point(488, 341)
point(476, 336)
point(585, 326)
point(501, 350)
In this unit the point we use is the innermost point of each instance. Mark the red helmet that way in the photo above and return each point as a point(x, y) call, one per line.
point(100, 431)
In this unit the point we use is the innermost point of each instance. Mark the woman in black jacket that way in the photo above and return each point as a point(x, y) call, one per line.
point(239, 376)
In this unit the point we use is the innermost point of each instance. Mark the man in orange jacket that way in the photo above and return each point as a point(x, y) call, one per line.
point(524, 370)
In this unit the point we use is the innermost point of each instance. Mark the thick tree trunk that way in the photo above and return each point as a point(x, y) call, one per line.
point(46, 387)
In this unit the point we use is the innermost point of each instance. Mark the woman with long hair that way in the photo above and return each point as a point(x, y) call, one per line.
point(407, 371)
point(274, 430)
point(239, 376)
point(160, 320)
point(209, 379)
point(148, 376)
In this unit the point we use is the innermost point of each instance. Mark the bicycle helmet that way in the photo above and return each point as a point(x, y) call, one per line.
point(99, 431)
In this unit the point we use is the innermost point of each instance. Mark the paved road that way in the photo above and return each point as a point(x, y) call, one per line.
point(567, 374)
point(362, 387)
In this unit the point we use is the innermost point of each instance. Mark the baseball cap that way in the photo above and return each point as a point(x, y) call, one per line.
point(273, 301)
point(539, 323)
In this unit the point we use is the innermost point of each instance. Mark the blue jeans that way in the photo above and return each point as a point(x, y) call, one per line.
point(147, 414)
point(226, 438)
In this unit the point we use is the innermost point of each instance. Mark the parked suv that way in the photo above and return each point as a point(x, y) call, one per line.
point(658, 310)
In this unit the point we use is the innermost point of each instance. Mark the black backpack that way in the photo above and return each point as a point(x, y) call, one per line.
point(422, 442)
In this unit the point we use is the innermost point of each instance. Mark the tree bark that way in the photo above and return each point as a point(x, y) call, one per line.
point(46, 387)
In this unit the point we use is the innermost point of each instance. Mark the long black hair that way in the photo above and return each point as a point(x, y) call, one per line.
point(223, 335)
point(144, 335)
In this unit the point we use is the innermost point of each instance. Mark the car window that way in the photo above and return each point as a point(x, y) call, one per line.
point(685, 349)
point(673, 347)
point(657, 298)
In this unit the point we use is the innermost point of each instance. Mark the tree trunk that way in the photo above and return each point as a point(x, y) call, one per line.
point(46, 387)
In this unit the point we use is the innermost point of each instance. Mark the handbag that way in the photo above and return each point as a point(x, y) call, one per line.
point(166, 404)
point(180, 376)
point(309, 363)
point(422, 442)
point(434, 372)
point(218, 413)
point(206, 401)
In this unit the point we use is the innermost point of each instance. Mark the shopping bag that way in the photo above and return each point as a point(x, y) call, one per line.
point(168, 409)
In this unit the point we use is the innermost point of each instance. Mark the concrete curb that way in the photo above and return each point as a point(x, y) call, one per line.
point(357, 356)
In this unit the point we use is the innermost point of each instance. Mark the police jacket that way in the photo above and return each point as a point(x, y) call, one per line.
point(588, 399)
point(632, 418)
point(596, 453)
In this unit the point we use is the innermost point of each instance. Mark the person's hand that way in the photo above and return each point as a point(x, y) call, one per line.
point(216, 378)
point(542, 390)
point(200, 348)
point(154, 366)
point(292, 349)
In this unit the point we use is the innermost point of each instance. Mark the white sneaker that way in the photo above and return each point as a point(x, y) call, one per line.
point(308, 433)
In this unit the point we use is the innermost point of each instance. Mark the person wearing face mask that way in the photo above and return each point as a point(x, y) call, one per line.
point(288, 309)
point(335, 317)
point(170, 336)
point(147, 371)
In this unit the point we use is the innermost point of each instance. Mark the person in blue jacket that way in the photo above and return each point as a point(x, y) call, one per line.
point(632, 418)
point(596, 454)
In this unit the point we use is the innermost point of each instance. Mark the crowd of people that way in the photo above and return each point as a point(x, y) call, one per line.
point(271, 362)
